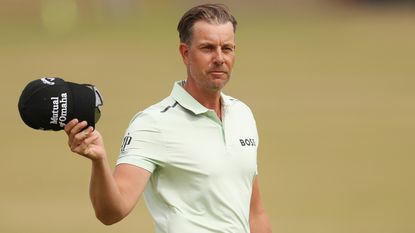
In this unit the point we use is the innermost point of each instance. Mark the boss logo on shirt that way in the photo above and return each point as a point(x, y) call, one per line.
point(125, 142)
point(247, 142)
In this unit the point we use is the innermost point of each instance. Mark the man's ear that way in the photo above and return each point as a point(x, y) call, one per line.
point(184, 52)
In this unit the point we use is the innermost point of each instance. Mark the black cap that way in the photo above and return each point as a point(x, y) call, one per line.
point(50, 103)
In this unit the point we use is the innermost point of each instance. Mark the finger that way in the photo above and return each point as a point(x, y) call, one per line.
point(88, 142)
point(83, 148)
point(81, 136)
point(88, 131)
point(70, 125)
point(78, 127)
point(90, 138)
point(74, 131)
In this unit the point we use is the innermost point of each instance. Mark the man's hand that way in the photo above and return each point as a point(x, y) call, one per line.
point(86, 142)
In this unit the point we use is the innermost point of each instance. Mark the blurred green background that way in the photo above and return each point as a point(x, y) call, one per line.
point(332, 87)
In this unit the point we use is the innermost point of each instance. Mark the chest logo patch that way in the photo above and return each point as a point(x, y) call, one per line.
point(247, 142)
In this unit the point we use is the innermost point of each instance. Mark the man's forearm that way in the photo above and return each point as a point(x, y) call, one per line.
point(260, 223)
point(105, 195)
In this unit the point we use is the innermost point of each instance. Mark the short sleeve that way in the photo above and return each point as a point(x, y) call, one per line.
point(142, 144)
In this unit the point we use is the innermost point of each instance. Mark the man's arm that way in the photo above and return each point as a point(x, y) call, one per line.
point(113, 195)
point(258, 219)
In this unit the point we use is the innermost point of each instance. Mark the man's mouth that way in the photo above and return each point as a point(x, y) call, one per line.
point(218, 72)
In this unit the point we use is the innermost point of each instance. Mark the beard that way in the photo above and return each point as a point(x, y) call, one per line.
point(213, 79)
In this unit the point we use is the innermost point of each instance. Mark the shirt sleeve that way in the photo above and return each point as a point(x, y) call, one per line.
point(142, 144)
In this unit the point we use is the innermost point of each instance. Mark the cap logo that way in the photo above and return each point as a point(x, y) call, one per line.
point(59, 116)
point(48, 81)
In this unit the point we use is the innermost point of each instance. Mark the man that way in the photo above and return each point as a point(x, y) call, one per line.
point(193, 155)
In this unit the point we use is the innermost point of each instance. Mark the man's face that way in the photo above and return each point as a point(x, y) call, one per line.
point(210, 56)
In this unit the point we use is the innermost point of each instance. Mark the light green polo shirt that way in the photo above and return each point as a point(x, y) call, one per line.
point(202, 168)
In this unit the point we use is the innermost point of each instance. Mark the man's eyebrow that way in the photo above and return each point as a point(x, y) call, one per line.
point(208, 44)
point(228, 44)
point(205, 44)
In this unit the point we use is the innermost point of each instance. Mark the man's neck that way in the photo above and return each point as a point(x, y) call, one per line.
point(209, 99)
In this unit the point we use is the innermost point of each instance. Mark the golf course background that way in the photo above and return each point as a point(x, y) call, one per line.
point(332, 89)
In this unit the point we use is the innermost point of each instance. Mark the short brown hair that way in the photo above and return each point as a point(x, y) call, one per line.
point(211, 13)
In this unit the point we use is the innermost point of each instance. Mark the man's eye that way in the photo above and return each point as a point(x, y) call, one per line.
point(207, 48)
point(228, 49)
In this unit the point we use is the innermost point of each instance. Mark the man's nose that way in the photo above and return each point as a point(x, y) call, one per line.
point(218, 57)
